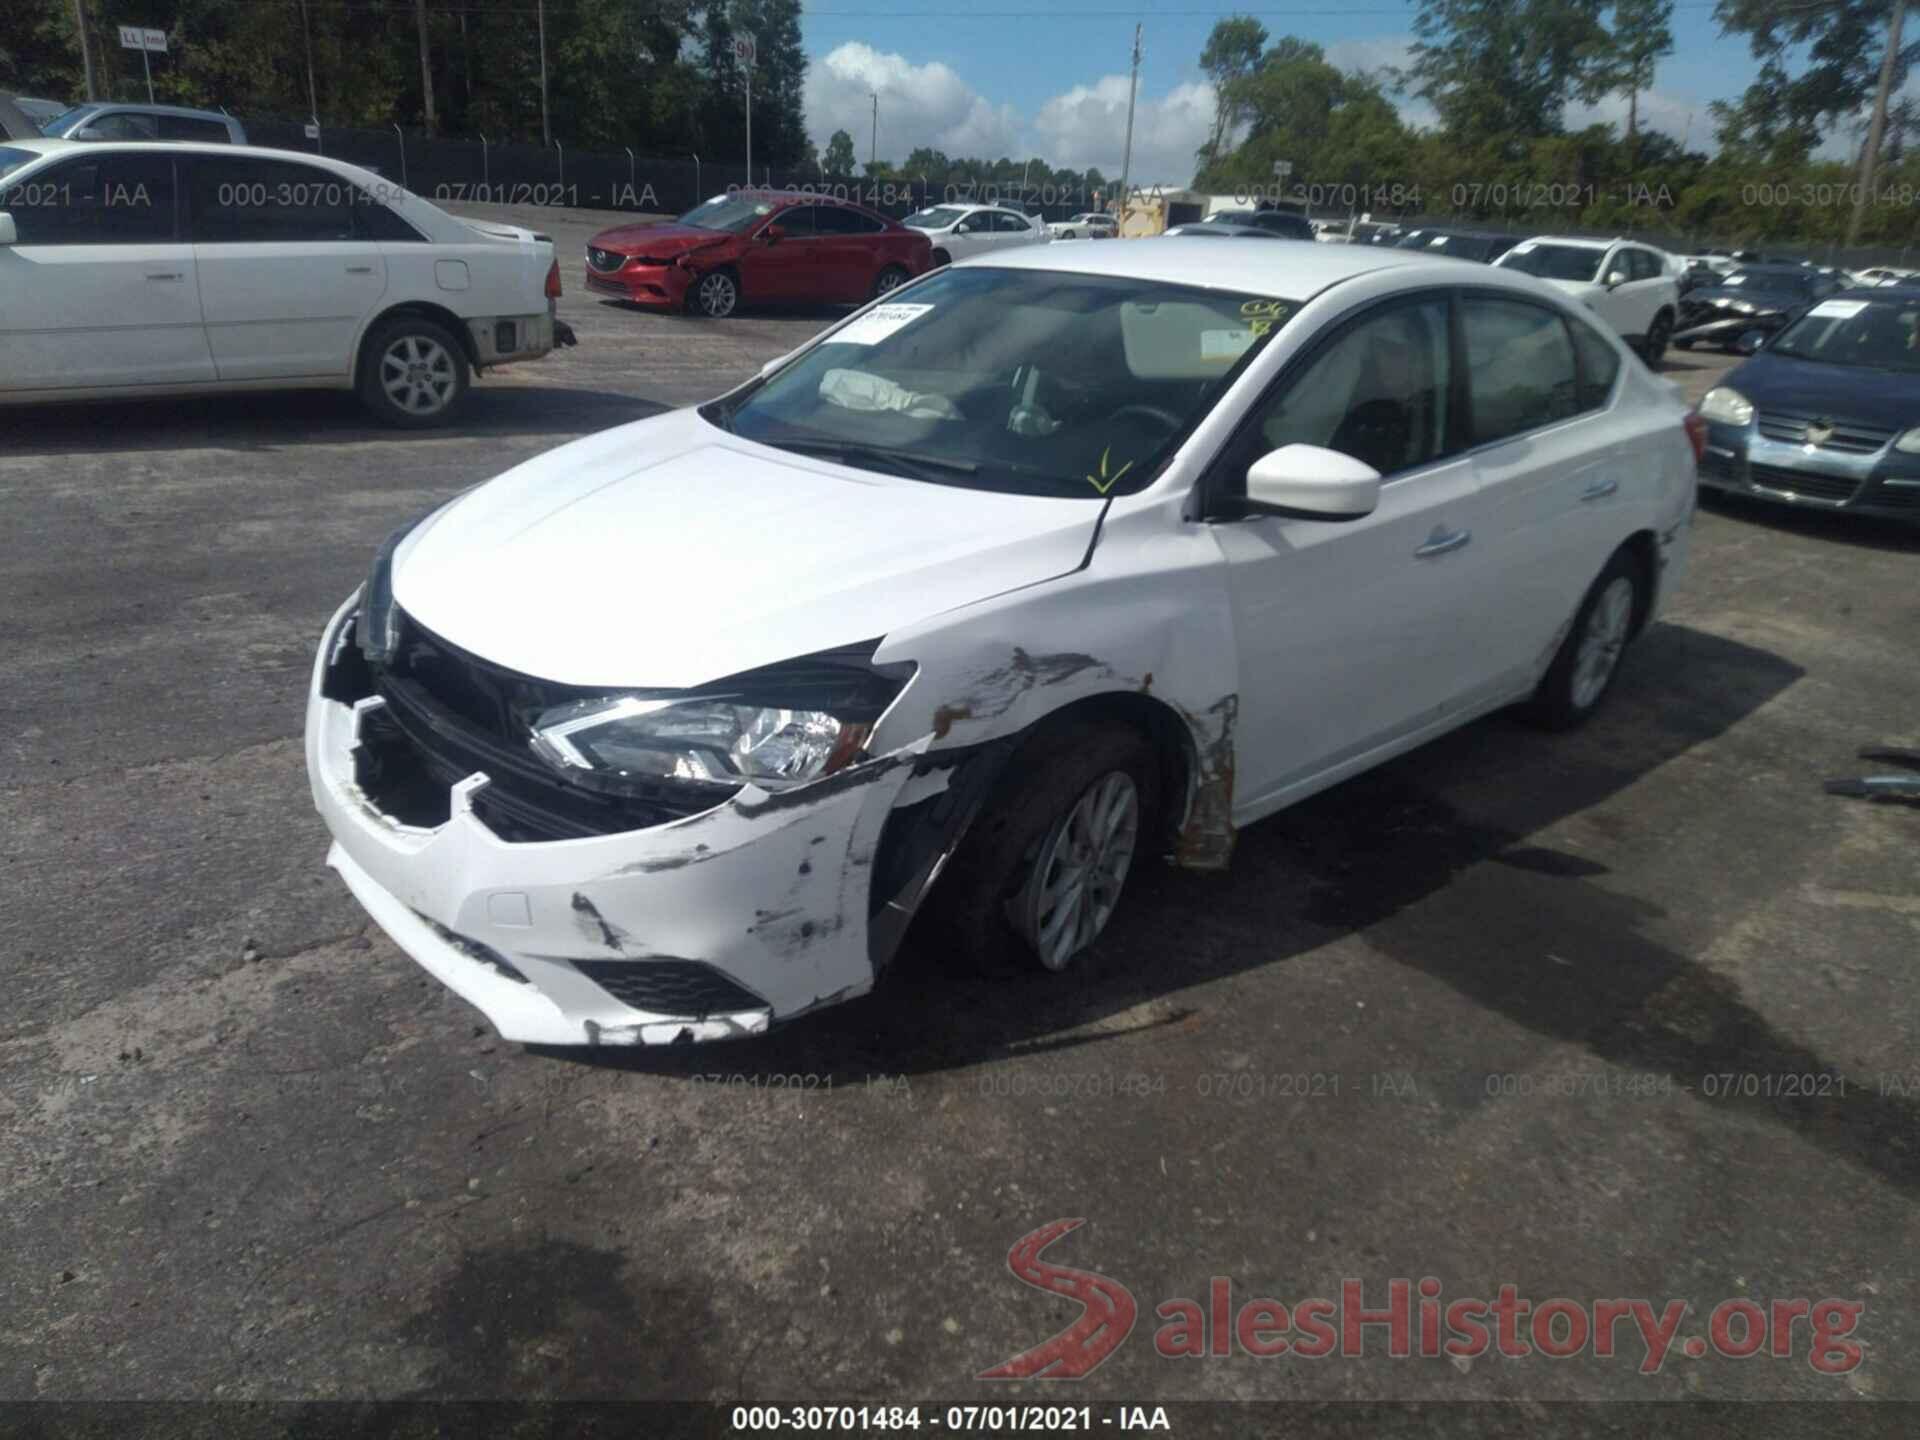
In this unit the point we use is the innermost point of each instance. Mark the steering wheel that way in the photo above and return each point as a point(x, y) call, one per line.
point(1152, 412)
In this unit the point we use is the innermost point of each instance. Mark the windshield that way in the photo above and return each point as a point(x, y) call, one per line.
point(1554, 262)
point(1780, 282)
point(1878, 334)
point(12, 159)
point(65, 118)
point(938, 218)
point(735, 213)
point(1029, 381)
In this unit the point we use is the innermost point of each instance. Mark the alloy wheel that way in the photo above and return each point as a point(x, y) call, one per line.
point(1078, 869)
point(718, 295)
point(1602, 641)
point(418, 375)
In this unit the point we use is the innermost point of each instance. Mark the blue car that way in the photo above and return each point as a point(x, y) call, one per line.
point(1827, 414)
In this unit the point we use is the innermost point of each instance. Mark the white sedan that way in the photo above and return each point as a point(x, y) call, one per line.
point(1046, 565)
point(1087, 225)
point(169, 269)
point(959, 232)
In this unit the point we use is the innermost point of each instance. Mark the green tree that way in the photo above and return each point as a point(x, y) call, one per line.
point(1782, 116)
point(840, 159)
point(1501, 70)
point(1231, 54)
point(1623, 59)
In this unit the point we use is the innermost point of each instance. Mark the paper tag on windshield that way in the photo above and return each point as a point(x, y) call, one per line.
point(1224, 344)
point(877, 324)
point(1734, 280)
point(1837, 309)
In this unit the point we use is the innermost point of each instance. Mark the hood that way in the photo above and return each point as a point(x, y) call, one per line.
point(662, 239)
point(669, 553)
point(1577, 289)
point(1885, 398)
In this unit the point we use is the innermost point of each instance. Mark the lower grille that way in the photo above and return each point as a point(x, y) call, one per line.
point(1831, 489)
point(1846, 437)
point(684, 989)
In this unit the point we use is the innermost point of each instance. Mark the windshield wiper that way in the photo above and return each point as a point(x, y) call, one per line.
point(852, 452)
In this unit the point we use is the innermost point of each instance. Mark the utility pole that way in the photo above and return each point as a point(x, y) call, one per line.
point(1876, 126)
point(86, 46)
point(426, 65)
point(546, 129)
point(873, 143)
point(1126, 161)
point(306, 34)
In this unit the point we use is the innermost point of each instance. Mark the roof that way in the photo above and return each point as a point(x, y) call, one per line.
point(1292, 269)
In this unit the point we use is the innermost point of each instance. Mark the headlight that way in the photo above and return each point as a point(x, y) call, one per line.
point(1727, 405)
point(625, 742)
point(1909, 443)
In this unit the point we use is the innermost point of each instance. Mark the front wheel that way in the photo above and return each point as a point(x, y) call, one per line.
point(1040, 873)
point(1583, 668)
point(412, 372)
point(715, 295)
point(890, 279)
point(1658, 334)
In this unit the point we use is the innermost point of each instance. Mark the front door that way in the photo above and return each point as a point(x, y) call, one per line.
point(99, 289)
point(1355, 634)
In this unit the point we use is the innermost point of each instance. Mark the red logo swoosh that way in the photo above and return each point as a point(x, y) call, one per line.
point(1107, 1318)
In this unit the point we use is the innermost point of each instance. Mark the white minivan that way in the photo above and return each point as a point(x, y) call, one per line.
point(142, 269)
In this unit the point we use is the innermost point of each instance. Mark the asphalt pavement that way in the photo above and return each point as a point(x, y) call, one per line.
point(1627, 1013)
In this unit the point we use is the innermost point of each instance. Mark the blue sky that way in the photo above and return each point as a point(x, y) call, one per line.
point(990, 77)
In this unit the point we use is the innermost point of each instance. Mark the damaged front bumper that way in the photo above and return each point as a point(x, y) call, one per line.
point(713, 926)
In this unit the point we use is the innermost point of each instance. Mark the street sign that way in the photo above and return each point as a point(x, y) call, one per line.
point(133, 37)
point(1282, 169)
point(744, 50)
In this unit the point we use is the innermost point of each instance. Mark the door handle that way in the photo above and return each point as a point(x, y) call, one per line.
point(359, 269)
point(1600, 489)
point(166, 275)
point(1442, 542)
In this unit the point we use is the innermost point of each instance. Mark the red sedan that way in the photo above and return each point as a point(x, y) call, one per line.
point(755, 247)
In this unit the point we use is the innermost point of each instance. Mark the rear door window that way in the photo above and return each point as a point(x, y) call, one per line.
point(246, 200)
point(189, 127)
point(1520, 367)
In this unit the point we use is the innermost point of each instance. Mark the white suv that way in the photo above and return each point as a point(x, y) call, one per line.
point(1633, 287)
point(169, 269)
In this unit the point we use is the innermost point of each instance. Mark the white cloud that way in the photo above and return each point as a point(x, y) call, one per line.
point(1087, 126)
point(919, 105)
point(1385, 52)
point(1680, 116)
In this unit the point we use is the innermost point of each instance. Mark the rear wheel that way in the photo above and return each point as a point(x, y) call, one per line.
point(1583, 669)
point(1040, 873)
point(412, 372)
point(891, 278)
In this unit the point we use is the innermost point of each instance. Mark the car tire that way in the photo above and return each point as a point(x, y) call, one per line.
point(889, 280)
point(1000, 897)
point(413, 372)
point(1658, 334)
point(938, 258)
point(714, 295)
point(1584, 667)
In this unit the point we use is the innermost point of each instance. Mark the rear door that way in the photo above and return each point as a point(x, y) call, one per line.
point(850, 258)
point(1553, 462)
point(99, 289)
point(287, 279)
point(1010, 229)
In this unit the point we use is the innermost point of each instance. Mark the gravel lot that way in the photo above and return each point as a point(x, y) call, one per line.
point(249, 1150)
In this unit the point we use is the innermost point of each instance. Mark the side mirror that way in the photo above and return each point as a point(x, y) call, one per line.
point(1615, 279)
point(1308, 482)
point(9, 235)
point(963, 228)
point(1750, 343)
point(773, 232)
point(87, 132)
